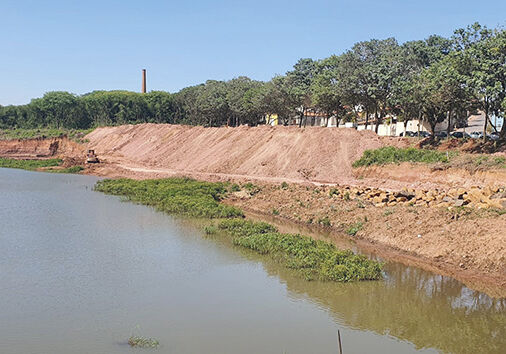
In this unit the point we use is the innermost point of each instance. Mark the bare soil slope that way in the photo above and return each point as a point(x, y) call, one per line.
point(316, 154)
point(40, 148)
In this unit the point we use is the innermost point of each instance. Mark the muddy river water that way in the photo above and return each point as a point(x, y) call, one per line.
point(80, 272)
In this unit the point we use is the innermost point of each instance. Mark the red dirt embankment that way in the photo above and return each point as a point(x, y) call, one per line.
point(41, 148)
point(264, 152)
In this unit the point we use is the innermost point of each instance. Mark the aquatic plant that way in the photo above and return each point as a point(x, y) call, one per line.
point(29, 164)
point(183, 196)
point(210, 229)
point(141, 342)
point(314, 259)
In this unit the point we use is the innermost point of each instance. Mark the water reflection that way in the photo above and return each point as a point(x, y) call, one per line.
point(426, 309)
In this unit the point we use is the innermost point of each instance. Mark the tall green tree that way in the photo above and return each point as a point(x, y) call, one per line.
point(378, 64)
point(440, 90)
point(300, 79)
point(326, 92)
point(482, 54)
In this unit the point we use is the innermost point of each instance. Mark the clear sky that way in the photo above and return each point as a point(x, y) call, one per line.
point(81, 46)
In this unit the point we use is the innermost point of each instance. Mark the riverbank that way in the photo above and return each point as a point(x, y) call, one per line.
point(466, 243)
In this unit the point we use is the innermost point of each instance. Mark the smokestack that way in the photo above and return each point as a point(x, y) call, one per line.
point(143, 80)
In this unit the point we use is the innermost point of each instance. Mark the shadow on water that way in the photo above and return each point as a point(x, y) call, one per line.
point(410, 304)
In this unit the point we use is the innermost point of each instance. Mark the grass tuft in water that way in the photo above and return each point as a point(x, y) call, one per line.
point(210, 230)
point(183, 196)
point(315, 259)
point(141, 342)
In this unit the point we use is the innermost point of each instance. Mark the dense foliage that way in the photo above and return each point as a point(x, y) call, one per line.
point(315, 259)
point(433, 79)
point(181, 196)
point(390, 154)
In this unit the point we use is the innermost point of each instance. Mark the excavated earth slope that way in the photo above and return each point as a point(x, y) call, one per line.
point(40, 148)
point(316, 154)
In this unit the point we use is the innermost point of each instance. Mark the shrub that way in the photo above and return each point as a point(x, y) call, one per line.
point(252, 188)
point(333, 192)
point(325, 221)
point(354, 228)
point(284, 185)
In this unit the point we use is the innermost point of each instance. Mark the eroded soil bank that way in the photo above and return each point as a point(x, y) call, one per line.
point(465, 243)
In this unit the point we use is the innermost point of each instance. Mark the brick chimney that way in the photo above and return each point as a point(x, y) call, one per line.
point(143, 80)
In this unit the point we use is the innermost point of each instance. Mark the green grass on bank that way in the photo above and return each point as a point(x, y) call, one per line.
point(182, 196)
point(49, 165)
point(73, 134)
point(29, 164)
point(390, 154)
point(73, 169)
point(315, 259)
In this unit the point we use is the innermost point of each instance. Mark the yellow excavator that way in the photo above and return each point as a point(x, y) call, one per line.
point(91, 157)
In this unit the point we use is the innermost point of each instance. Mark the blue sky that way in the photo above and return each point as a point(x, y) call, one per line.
point(81, 46)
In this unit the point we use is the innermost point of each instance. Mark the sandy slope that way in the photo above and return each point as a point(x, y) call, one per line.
point(264, 153)
point(316, 154)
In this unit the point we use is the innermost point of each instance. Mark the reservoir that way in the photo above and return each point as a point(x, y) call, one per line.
point(80, 272)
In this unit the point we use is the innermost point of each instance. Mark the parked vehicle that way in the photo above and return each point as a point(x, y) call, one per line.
point(423, 134)
point(493, 136)
point(476, 135)
point(459, 135)
point(408, 133)
point(442, 135)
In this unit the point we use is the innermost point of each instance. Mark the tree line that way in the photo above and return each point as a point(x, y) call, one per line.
point(433, 79)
